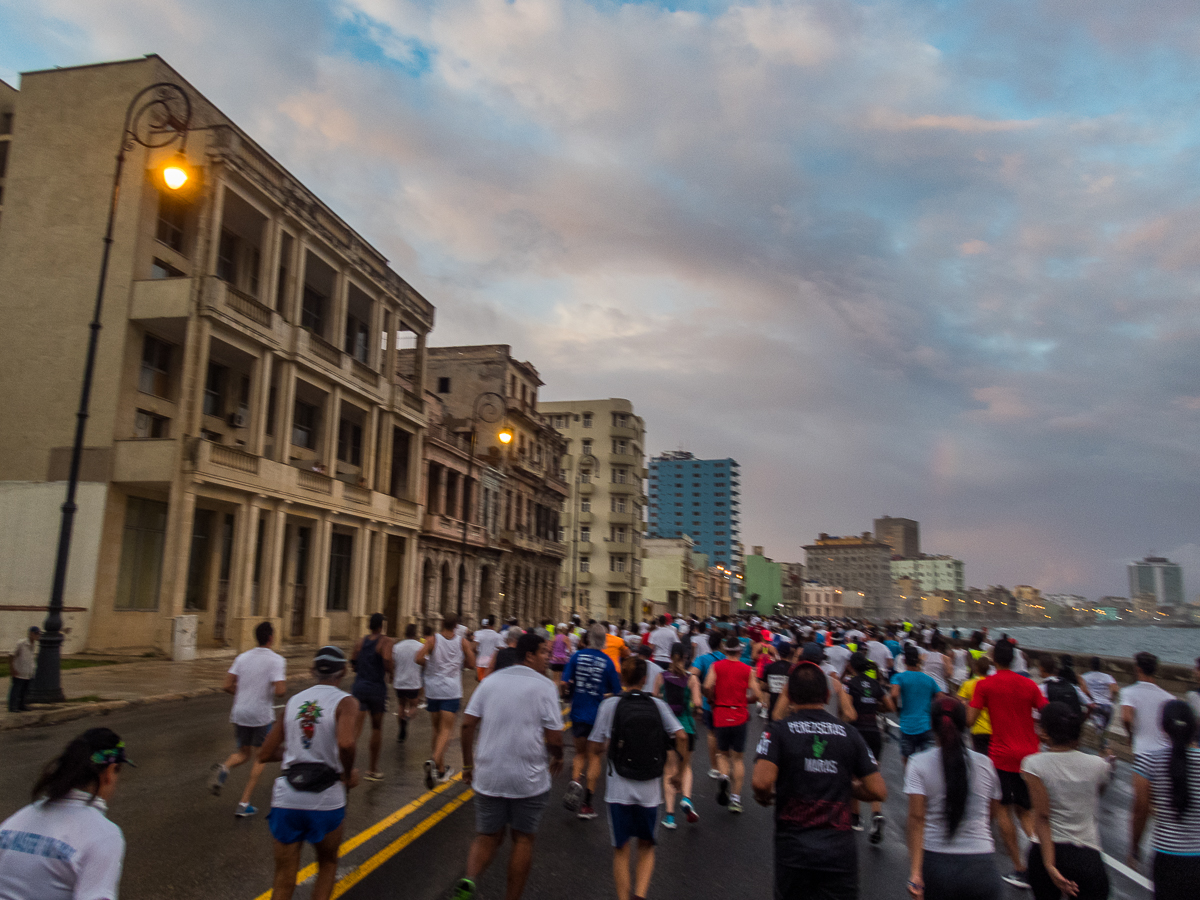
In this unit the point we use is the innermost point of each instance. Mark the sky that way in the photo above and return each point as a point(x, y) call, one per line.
point(931, 259)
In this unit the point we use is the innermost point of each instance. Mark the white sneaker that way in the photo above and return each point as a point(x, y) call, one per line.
point(713, 773)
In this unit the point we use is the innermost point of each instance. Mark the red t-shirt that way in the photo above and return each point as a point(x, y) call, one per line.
point(1010, 700)
point(732, 682)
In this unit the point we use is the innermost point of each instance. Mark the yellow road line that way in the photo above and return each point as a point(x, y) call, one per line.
point(363, 836)
point(352, 878)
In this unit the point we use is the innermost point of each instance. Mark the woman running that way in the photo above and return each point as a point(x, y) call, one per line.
point(681, 691)
point(560, 652)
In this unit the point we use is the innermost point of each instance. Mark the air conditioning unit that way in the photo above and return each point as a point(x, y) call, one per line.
point(237, 420)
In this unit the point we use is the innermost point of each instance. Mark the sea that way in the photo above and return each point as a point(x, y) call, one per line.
point(1173, 645)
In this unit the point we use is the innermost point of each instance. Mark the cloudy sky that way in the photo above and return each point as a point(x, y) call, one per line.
point(935, 259)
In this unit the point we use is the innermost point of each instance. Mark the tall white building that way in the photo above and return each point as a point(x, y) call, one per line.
point(932, 573)
point(1158, 576)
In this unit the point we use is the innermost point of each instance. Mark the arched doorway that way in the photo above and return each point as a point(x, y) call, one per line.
point(428, 577)
point(462, 605)
point(444, 606)
point(485, 592)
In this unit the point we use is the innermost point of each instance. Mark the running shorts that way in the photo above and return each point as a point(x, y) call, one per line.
point(1014, 791)
point(371, 698)
point(450, 706)
point(874, 742)
point(292, 826)
point(251, 735)
point(626, 820)
point(581, 729)
point(407, 693)
point(732, 738)
point(521, 814)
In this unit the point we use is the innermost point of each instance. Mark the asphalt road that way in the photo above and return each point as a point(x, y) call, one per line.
point(184, 843)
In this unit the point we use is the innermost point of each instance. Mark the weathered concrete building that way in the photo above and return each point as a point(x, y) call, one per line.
point(855, 563)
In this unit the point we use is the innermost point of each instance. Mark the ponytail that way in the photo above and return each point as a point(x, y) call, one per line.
point(949, 722)
point(1179, 722)
point(79, 766)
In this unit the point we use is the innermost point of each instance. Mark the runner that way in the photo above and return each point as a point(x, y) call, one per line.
point(913, 691)
point(406, 678)
point(487, 642)
point(680, 690)
point(62, 845)
point(1065, 787)
point(870, 699)
point(727, 685)
point(1141, 708)
point(592, 676)
point(516, 714)
point(811, 766)
point(981, 731)
point(316, 739)
point(372, 662)
point(255, 679)
point(653, 670)
point(507, 654)
point(1103, 688)
point(615, 647)
point(636, 728)
point(952, 798)
point(1010, 700)
point(662, 639)
point(699, 668)
point(838, 655)
point(560, 652)
point(443, 657)
point(775, 678)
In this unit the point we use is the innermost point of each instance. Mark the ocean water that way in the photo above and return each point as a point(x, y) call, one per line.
point(1173, 645)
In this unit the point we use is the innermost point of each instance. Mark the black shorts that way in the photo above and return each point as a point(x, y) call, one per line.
point(806, 884)
point(874, 742)
point(732, 738)
point(557, 667)
point(1013, 789)
point(691, 743)
point(250, 735)
point(371, 698)
point(407, 693)
point(706, 717)
point(980, 743)
point(581, 729)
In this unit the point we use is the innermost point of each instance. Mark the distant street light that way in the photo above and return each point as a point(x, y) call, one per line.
point(156, 117)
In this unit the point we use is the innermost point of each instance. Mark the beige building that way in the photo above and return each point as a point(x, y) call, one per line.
point(603, 518)
point(252, 452)
point(711, 593)
point(856, 564)
point(821, 600)
point(667, 568)
point(512, 493)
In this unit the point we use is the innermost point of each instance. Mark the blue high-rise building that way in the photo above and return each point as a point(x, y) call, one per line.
point(700, 498)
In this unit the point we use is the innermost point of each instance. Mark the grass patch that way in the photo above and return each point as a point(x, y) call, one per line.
point(66, 664)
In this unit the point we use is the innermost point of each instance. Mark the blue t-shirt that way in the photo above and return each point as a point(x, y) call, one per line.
point(593, 675)
point(702, 664)
point(747, 650)
point(894, 647)
point(916, 695)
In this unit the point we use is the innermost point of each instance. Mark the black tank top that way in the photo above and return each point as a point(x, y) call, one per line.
point(369, 666)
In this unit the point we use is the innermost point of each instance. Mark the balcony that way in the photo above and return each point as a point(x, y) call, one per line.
point(624, 518)
point(222, 297)
point(161, 298)
point(583, 577)
point(322, 349)
point(616, 488)
point(625, 459)
point(586, 489)
point(585, 518)
point(624, 432)
point(622, 578)
point(583, 547)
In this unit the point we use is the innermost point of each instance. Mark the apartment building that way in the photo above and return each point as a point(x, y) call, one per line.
point(603, 520)
point(855, 563)
point(668, 573)
point(700, 498)
point(932, 573)
point(253, 450)
point(902, 535)
point(711, 594)
point(8, 102)
point(510, 495)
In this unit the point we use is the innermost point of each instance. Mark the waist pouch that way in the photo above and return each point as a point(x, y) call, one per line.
point(312, 777)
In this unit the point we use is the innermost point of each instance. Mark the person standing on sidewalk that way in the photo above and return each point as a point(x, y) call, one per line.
point(444, 656)
point(728, 683)
point(21, 666)
point(592, 676)
point(255, 679)
point(317, 740)
point(372, 662)
point(516, 714)
point(406, 678)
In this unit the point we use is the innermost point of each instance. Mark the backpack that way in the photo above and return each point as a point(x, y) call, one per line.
point(1060, 691)
point(637, 747)
point(675, 692)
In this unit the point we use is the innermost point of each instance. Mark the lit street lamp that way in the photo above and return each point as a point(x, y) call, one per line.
point(156, 117)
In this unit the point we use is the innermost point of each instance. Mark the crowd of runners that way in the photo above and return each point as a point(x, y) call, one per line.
point(989, 740)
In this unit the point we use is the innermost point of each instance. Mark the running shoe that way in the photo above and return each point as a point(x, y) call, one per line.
point(573, 797)
point(669, 822)
point(374, 776)
point(856, 822)
point(464, 890)
point(714, 773)
point(586, 812)
point(690, 811)
point(1017, 880)
point(445, 775)
point(723, 792)
point(245, 811)
point(735, 804)
point(430, 775)
point(876, 828)
point(217, 780)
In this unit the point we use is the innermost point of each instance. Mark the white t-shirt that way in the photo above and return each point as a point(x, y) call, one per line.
point(1147, 700)
point(443, 668)
point(662, 640)
point(310, 735)
point(839, 657)
point(700, 645)
point(1193, 699)
point(65, 850)
point(1073, 780)
point(879, 654)
point(406, 674)
point(515, 707)
point(653, 677)
point(625, 790)
point(487, 642)
point(1099, 685)
point(257, 672)
point(974, 833)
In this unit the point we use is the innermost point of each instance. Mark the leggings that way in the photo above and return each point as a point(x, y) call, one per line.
point(961, 876)
point(1081, 865)
point(1176, 876)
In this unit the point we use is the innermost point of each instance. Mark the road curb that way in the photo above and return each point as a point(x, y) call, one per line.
point(69, 713)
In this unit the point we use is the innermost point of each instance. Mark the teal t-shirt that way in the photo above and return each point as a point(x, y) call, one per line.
point(917, 690)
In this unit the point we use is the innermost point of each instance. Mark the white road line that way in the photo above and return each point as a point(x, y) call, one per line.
point(1135, 877)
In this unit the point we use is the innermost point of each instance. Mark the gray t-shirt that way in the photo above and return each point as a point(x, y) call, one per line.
point(974, 832)
point(625, 790)
point(1073, 780)
point(406, 674)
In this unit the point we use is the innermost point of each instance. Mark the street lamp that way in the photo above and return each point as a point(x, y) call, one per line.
point(156, 117)
point(488, 407)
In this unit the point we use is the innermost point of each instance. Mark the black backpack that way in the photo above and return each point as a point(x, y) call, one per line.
point(1059, 690)
point(637, 747)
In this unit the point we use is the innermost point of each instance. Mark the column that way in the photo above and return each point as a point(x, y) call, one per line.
point(260, 398)
point(341, 300)
point(332, 416)
point(177, 552)
point(410, 578)
point(241, 575)
point(218, 219)
point(285, 407)
point(369, 446)
point(191, 392)
point(359, 579)
point(391, 323)
point(383, 456)
point(419, 368)
point(296, 270)
point(272, 244)
point(375, 353)
point(319, 585)
point(376, 570)
point(271, 575)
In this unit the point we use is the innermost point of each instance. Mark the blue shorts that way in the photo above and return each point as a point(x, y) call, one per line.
point(450, 706)
point(915, 743)
point(293, 826)
point(627, 821)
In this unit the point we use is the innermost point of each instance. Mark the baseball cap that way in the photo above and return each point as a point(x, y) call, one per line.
point(329, 659)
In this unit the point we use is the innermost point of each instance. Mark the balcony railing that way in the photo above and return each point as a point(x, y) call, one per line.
point(364, 373)
point(242, 303)
point(232, 458)
point(325, 350)
point(315, 481)
point(356, 493)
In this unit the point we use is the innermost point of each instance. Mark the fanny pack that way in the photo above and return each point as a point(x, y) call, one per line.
point(312, 777)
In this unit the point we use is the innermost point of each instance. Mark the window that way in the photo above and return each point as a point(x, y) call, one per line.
point(719, 543)
point(214, 389)
point(443, 385)
point(227, 249)
point(141, 554)
point(585, 534)
point(172, 218)
point(620, 446)
point(586, 446)
point(620, 420)
point(312, 311)
point(304, 425)
point(357, 344)
point(619, 476)
point(585, 477)
point(585, 564)
point(587, 420)
point(148, 425)
point(619, 535)
point(160, 269)
point(616, 564)
point(156, 367)
point(585, 505)
point(341, 550)
point(349, 448)
point(618, 504)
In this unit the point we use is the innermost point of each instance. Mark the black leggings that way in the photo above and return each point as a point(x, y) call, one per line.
point(961, 876)
point(1081, 865)
point(1175, 877)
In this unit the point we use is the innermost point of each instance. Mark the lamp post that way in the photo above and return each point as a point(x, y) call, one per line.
point(156, 117)
point(488, 407)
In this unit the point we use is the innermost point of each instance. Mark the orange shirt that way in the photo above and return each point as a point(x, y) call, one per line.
point(612, 648)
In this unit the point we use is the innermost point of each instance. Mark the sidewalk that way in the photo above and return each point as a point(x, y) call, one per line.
point(127, 684)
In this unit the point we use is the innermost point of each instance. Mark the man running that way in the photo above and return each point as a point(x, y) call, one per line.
point(372, 662)
point(811, 766)
point(870, 699)
point(406, 678)
point(662, 639)
point(443, 657)
point(316, 739)
point(1141, 708)
point(1010, 700)
point(487, 642)
point(913, 691)
point(593, 677)
point(516, 714)
point(727, 685)
point(700, 666)
point(255, 679)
